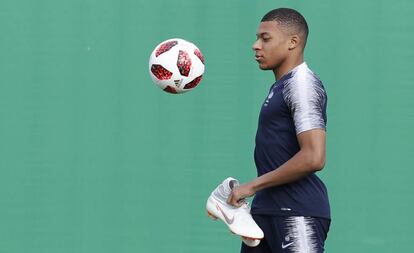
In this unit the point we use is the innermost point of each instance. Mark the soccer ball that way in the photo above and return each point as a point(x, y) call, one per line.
point(176, 66)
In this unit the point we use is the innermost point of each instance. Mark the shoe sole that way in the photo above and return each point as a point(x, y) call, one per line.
point(216, 218)
point(211, 215)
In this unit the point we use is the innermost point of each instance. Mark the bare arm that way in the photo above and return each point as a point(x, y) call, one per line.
point(310, 158)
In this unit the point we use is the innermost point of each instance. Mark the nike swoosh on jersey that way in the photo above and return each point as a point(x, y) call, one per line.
point(284, 246)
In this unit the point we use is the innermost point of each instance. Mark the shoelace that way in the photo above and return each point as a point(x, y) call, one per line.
point(246, 205)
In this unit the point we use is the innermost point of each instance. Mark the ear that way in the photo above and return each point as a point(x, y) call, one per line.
point(293, 42)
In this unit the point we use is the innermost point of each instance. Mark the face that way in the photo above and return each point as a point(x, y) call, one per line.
point(271, 46)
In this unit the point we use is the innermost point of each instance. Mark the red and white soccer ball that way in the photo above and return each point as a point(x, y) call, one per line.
point(176, 66)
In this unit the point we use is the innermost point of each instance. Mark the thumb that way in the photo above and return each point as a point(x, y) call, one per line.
point(230, 198)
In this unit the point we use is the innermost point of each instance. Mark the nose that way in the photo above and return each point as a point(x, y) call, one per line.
point(256, 45)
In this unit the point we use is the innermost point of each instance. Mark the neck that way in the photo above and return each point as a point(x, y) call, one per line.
point(287, 66)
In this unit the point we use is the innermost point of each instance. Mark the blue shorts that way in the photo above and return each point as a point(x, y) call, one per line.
point(289, 234)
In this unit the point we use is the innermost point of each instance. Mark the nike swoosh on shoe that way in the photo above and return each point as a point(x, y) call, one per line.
point(228, 219)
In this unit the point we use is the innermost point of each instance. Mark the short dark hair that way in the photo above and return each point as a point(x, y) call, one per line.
point(290, 19)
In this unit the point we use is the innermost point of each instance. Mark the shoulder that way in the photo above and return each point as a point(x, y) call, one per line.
point(303, 84)
point(306, 98)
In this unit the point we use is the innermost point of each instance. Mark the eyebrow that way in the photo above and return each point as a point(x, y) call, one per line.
point(262, 34)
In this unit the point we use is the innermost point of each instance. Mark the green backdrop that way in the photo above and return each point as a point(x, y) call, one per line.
point(95, 158)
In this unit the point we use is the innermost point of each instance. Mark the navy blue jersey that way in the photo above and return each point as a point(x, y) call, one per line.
point(296, 103)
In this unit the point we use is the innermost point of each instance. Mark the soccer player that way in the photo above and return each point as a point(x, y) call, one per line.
point(291, 203)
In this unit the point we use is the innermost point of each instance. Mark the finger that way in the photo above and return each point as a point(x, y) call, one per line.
point(230, 198)
point(235, 201)
point(241, 201)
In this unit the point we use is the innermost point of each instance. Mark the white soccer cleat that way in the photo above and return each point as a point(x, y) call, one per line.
point(238, 219)
point(250, 242)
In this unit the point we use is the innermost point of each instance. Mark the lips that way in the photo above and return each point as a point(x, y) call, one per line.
point(258, 57)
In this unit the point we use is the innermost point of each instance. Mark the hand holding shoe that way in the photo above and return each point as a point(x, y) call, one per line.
point(239, 193)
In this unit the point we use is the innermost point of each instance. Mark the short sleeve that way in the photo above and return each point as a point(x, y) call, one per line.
point(306, 98)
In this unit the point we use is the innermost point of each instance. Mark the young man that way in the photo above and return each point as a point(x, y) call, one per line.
point(291, 203)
